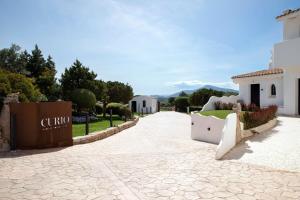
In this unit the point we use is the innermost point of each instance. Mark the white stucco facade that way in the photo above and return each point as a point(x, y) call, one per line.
point(286, 57)
point(143, 104)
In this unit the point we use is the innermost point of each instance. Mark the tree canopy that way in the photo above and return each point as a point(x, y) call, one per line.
point(201, 96)
point(119, 92)
point(84, 99)
point(41, 71)
point(33, 76)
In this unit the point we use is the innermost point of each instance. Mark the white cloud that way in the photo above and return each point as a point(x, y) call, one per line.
point(194, 84)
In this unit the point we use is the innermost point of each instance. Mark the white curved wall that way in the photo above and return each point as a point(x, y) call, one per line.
point(206, 128)
point(210, 105)
point(228, 139)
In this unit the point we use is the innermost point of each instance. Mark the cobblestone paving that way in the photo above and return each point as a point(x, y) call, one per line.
point(153, 160)
point(278, 148)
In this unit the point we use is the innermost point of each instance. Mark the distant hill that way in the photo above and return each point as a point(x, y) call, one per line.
point(160, 97)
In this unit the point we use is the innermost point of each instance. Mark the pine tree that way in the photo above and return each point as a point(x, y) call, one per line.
point(36, 63)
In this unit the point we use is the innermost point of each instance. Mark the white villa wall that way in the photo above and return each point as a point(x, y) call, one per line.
point(206, 128)
point(151, 104)
point(210, 105)
point(228, 139)
point(290, 83)
point(265, 82)
point(286, 54)
point(291, 27)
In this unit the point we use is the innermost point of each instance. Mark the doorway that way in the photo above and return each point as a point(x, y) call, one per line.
point(133, 106)
point(255, 94)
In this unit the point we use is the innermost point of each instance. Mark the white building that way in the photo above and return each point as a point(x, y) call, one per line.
point(280, 84)
point(143, 104)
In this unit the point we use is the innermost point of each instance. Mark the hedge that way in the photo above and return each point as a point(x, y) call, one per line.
point(257, 118)
point(119, 109)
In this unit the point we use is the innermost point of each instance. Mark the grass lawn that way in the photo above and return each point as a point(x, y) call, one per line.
point(79, 129)
point(222, 114)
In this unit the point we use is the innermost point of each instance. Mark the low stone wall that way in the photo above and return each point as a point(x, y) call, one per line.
point(260, 129)
point(104, 134)
point(228, 140)
point(206, 128)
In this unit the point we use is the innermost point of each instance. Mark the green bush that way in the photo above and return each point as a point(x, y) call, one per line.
point(181, 104)
point(119, 109)
point(17, 83)
point(5, 87)
point(126, 112)
point(115, 107)
point(223, 106)
point(84, 99)
point(257, 118)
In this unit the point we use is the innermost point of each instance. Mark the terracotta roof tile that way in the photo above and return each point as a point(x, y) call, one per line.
point(287, 12)
point(260, 73)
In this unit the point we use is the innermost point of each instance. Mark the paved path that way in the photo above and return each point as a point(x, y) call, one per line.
point(278, 148)
point(153, 160)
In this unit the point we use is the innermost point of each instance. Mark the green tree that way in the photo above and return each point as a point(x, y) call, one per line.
point(32, 65)
point(119, 92)
point(181, 104)
point(201, 96)
point(77, 76)
point(171, 101)
point(46, 81)
point(13, 59)
point(84, 99)
point(36, 63)
point(18, 83)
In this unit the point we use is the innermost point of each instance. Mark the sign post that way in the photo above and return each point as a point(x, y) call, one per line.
point(41, 125)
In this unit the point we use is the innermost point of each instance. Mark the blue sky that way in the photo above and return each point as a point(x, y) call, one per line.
point(157, 46)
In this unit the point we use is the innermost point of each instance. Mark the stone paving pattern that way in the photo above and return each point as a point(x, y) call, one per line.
point(156, 159)
point(278, 148)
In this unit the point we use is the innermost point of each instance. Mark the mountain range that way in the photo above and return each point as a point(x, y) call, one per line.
point(191, 91)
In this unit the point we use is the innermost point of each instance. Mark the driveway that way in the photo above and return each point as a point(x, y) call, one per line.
point(156, 159)
point(278, 148)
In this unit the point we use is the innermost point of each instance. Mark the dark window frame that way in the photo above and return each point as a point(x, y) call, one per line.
point(273, 90)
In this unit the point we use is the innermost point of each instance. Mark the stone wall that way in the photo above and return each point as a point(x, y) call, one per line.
point(5, 122)
point(104, 134)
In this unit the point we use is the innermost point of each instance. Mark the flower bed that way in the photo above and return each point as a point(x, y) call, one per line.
point(257, 118)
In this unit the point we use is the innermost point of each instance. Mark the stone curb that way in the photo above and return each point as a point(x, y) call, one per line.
point(92, 137)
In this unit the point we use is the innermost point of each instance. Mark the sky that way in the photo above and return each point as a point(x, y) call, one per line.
point(157, 46)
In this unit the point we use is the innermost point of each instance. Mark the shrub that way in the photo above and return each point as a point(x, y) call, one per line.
point(181, 104)
point(217, 105)
point(125, 112)
point(250, 107)
point(257, 118)
point(119, 109)
point(223, 106)
point(84, 99)
point(115, 107)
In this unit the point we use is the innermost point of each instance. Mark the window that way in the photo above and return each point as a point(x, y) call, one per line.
point(144, 104)
point(273, 90)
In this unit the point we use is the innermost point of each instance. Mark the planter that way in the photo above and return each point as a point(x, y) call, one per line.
point(260, 129)
point(92, 137)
